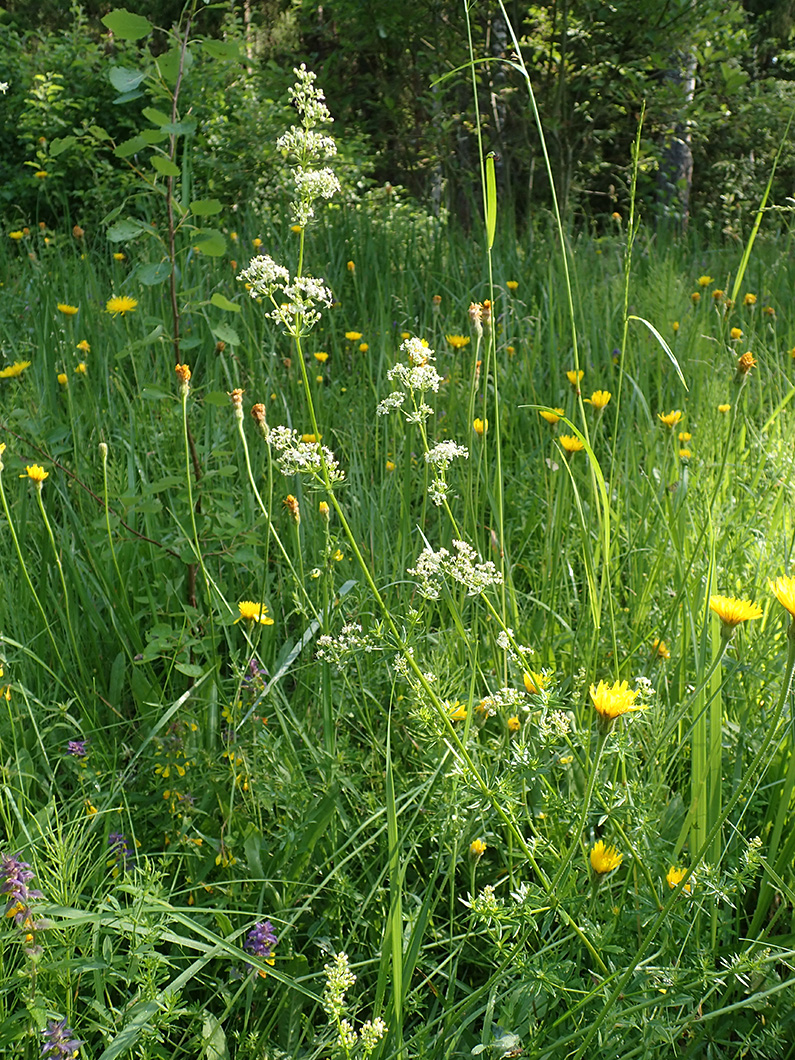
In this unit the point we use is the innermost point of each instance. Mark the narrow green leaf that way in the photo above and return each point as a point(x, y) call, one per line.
point(491, 201)
point(125, 25)
point(664, 345)
point(220, 302)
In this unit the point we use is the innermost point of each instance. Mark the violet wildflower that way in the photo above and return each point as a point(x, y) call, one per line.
point(117, 842)
point(16, 875)
point(58, 1041)
point(260, 942)
point(77, 748)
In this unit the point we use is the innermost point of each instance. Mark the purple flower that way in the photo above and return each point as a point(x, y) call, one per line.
point(77, 748)
point(117, 842)
point(260, 942)
point(16, 875)
point(58, 1041)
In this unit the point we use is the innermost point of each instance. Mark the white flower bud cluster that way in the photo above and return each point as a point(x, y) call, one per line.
point(444, 453)
point(303, 458)
point(507, 699)
point(339, 978)
point(350, 640)
point(309, 147)
point(417, 378)
point(433, 567)
point(263, 276)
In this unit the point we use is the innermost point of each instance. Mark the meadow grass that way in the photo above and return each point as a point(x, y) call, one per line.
point(415, 781)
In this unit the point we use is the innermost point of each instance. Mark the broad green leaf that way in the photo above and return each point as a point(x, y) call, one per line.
point(157, 117)
point(491, 201)
point(218, 398)
point(125, 25)
point(221, 49)
point(168, 63)
point(220, 302)
point(130, 147)
point(127, 97)
point(206, 207)
point(57, 147)
point(180, 128)
point(226, 334)
point(210, 241)
point(98, 132)
point(153, 136)
point(124, 79)
point(150, 275)
point(189, 669)
point(127, 229)
point(165, 166)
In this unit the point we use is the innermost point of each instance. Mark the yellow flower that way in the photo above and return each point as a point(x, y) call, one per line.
point(321, 356)
point(704, 281)
point(670, 419)
point(40, 174)
point(353, 336)
point(535, 683)
point(724, 408)
point(605, 859)
point(750, 299)
point(405, 335)
point(551, 417)
point(511, 284)
point(63, 378)
point(118, 256)
point(571, 444)
point(83, 345)
point(736, 333)
point(67, 310)
point(16, 235)
point(717, 294)
point(390, 465)
point(256, 243)
point(575, 377)
point(745, 364)
point(769, 311)
point(660, 649)
point(296, 229)
point(323, 508)
point(291, 504)
point(612, 702)
point(251, 612)
point(319, 379)
point(695, 297)
point(338, 556)
point(36, 472)
point(183, 374)
point(458, 342)
point(783, 588)
point(615, 215)
point(480, 426)
point(684, 454)
point(510, 350)
point(732, 612)
point(514, 725)
point(120, 304)
point(363, 347)
point(599, 399)
point(351, 266)
point(458, 712)
point(685, 436)
point(15, 369)
point(81, 369)
point(675, 326)
point(674, 878)
point(477, 848)
point(311, 437)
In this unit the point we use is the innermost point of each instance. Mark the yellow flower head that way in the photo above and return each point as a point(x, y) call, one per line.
point(67, 310)
point(63, 378)
point(480, 426)
point(783, 588)
point(321, 356)
point(41, 174)
point(458, 341)
point(670, 419)
point(695, 297)
point(535, 683)
point(390, 465)
point(311, 438)
point(605, 859)
point(323, 508)
point(684, 454)
point(599, 399)
point(551, 417)
point(363, 347)
point(84, 346)
point(736, 333)
point(685, 436)
point(660, 649)
point(750, 299)
point(514, 725)
point(512, 285)
point(675, 326)
point(353, 336)
point(256, 243)
point(405, 335)
point(251, 612)
point(458, 712)
point(477, 848)
point(15, 369)
point(615, 215)
point(718, 293)
point(351, 266)
point(120, 304)
point(574, 378)
point(724, 408)
point(81, 369)
point(612, 702)
point(290, 502)
point(674, 878)
point(183, 374)
point(704, 281)
point(37, 473)
point(118, 256)
point(296, 229)
point(16, 235)
point(745, 364)
point(732, 612)
point(571, 444)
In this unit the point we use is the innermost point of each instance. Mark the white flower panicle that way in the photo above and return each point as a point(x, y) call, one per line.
point(350, 641)
point(309, 101)
point(433, 568)
point(417, 378)
point(506, 699)
point(298, 314)
point(371, 1033)
point(303, 458)
point(263, 276)
point(309, 147)
point(444, 453)
point(339, 978)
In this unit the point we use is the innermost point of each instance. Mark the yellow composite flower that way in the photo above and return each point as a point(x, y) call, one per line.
point(571, 443)
point(480, 426)
point(783, 588)
point(405, 335)
point(252, 612)
point(736, 333)
point(615, 215)
point(684, 454)
point(660, 649)
point(256, 243)
point(718, 293)
point(84, 346)
point(390, 465)
point(321, 356)
point(41, 174)
point(16, 235)
point(477, 848)
point(15, 369)
point(514, 725)
point(575, 377)
point(67, 310)
point(121, 303)
point(63, 378)
point(363, 347)
point(458, 341)
point(551, 417)
point(118, 256)
point(604, 859)
point(675, 326)
point(535, 683)
point(512, 285)
point(351, 266)
point(296, 229)
point(353, 336)
point(732, 611)
point(724, 408)
point(613, 701)
point(674, 878)
point(745, 363)
point(311, 438)
point(704, 281)
point(750, 299)
point(599, 399)
point(695, 297)
point(35, 472)
point(670, 419)
point(81, 369)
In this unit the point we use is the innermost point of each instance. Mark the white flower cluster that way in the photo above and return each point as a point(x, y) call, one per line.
point(444, 453)
point(309, 147)
point(266, 279)
point(505, 699)
point(371, 1033)
point(351, 639)
point(339, 978)
point(306, 144)
point(309, 101)
point(311, 184)
point(303, 458)
point(417, 378)
point(263, 276)
point(554, 725)
point(433, 567)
